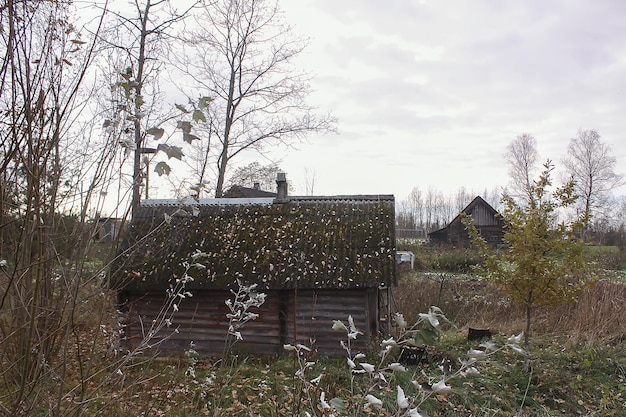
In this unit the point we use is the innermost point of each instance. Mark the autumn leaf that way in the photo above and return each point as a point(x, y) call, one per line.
point(189, 138)
point(171, 151)
point(184, 126)
point(157, 132)
point(162, 168)
point(181, 108)
point(198, 116)
point(203, 102)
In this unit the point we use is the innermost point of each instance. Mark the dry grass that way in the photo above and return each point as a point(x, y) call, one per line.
point(597, 315)
point(595, 318)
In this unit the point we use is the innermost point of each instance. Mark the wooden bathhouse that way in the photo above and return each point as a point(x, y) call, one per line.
point(487, 220)
point(317, 259)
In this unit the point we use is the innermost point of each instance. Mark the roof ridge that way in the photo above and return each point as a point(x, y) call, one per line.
point(174, 202)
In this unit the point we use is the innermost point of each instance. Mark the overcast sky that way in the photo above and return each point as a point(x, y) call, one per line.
point(430, 93)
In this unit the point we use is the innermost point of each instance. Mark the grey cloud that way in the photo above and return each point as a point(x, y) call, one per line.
point(547, 67)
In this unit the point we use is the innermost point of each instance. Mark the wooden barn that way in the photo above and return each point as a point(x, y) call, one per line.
point(317, 259)
point(489, 224)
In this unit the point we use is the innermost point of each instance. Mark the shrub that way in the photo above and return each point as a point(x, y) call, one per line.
point(458, 261)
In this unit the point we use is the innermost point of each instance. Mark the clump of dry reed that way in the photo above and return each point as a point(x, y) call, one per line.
point(596, 317)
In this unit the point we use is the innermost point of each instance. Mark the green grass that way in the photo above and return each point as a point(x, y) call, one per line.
point(598, 249)
point(578, 358)
point(578, 362)
point(566, 379)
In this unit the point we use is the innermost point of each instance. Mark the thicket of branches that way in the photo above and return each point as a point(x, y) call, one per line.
point(83, 114)
point(50, 168)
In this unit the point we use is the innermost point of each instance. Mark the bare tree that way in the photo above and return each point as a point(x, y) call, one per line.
point(141, 35)
point(255, 173)
point(42, 270)
point(522, 158)
point(416, 207)
point(431, 209)
point(309, 181)
point(404, 216)
point(493, 197)
point(241, 57)
point(590, 163)
point(446, 210)
point(462, 199)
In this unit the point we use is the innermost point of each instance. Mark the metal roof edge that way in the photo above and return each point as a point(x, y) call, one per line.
point(173, 202)
point(355, 197)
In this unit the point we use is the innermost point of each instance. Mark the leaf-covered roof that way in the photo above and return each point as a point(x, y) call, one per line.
point(306, 242)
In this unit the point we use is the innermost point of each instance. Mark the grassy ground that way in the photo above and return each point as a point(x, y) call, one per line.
point(578, 358)
point(578, 362)
point(566, 380)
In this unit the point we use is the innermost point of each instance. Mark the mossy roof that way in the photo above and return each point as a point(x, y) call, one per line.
point(305, 242)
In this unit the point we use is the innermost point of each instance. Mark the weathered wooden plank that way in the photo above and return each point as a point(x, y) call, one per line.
point(305, 316)
point(315, 312)
point(202, 319)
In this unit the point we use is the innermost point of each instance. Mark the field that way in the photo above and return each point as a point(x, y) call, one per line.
point(578, 357)
point(567, 380)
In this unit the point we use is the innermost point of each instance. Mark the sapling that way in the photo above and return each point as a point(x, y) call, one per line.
point(245, 298)
point(545, 262)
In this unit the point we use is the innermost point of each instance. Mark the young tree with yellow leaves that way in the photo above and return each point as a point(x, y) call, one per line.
point(544, 263)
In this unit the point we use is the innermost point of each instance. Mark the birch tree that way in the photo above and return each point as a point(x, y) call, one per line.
point(242, 57)
point(591, 164)
point(522, 158)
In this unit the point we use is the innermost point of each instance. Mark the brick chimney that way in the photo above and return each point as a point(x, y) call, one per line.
point(281, 183)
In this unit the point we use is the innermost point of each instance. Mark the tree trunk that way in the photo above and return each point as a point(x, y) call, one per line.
point(141, 60)
point(527, 366)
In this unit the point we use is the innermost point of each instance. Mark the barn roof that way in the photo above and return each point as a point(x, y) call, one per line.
point(301, 242)
point(478, 220)
point(478, 200)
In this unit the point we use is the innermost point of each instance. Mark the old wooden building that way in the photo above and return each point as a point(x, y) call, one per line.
point(489, 224)
point(317, 259)
point(238, 191)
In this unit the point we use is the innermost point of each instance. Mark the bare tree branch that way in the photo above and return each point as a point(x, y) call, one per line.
point(522, 157)
point(242, 57)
